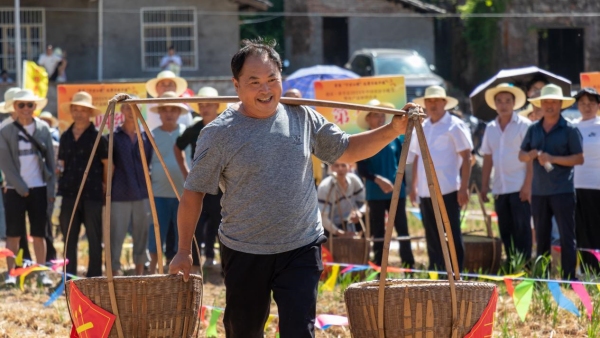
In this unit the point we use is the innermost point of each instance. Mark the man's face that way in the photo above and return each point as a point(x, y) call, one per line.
point(208, 111)
point(434, 107)
point(259, 85)
point(505, 103)
point(166, 85)
point(127, 112)
point(588, 106)
point(80, 113)
point(49, 50)
point(535, 89)
point(171, 51)
point(551, 107)
point(375, 120)
point(169, 115)
point(24, 109)
point(341, 169)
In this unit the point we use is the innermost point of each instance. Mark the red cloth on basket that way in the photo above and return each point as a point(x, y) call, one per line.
point(89, 320)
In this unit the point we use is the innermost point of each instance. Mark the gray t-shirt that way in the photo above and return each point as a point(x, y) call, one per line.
point(264, 168)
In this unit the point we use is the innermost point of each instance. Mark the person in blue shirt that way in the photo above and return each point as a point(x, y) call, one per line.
point(379, 172)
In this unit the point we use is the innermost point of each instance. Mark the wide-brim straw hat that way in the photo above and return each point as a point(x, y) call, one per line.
point(6, 106)
point(437, 92)
point(181, 106)
point(48, 117)
point(520, 97)
point(26, 95)
point(180, 83)
point(552, 92)
point(83, 99)
point(212, 92)
point(361, 117)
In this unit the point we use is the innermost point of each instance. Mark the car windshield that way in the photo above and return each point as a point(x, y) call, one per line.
point(401, 64)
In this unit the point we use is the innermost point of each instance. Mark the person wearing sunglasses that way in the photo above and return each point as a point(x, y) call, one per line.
point(28, 165)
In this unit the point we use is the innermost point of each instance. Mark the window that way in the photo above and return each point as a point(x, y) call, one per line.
point(166, 27)
point(33, 36)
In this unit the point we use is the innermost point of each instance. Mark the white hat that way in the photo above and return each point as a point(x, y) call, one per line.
point(520, 97)
point(82, 99)
point(180, 83)
point(181, 106)
point(437, 92)
point(211, 92)
point(361, 118)
point(48, 117)
point(7, 105)
point(26, 95)
point(552, 92)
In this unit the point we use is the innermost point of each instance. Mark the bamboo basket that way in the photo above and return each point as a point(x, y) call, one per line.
point(417, 308)
point(482, 253)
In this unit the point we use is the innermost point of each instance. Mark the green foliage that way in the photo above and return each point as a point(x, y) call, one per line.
point(272, 28)
point(481, 33)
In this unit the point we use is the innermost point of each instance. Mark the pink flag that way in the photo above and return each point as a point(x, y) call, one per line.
point(324, 321)
point(6, 253)
point(584, 296)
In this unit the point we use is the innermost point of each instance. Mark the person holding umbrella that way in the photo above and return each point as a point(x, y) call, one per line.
point(556, 144)
point(512, 179)
point(587, 179)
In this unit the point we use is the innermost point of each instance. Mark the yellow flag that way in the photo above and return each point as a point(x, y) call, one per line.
point(329, 284)
point(35, 78)
point(269, 320)
point(433, 275)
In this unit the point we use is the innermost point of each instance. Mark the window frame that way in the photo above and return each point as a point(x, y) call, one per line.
point(30, 53)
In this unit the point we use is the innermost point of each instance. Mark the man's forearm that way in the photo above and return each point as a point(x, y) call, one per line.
point(465, 172)
point(528, 174)
point(524, 156)
point(368, 143)
point(179, 158)
point(486, 171)
point(188, 214)
point(568, 161)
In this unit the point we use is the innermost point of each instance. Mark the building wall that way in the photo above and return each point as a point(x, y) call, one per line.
point(304, 34)
point(519, 36)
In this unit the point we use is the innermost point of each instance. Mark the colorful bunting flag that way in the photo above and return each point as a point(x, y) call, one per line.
point(4, 252)
point(329, 284)
point(522, 298)
point(561, 300)
point(416, 212)
point(580, 290)
point(509, 286)
point(347, 269)
point(324, 321)
point(19, 258)
point(57, 293)
point(433, 275)
point(211, 330)
point(372, 276)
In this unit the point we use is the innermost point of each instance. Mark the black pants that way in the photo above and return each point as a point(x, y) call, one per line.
point(208, 226)
point(34, 206)
point(514, 221)
point(434, 248)
point(377, 211)
point(562, 207)
point(90, 214)
point(587, 226)
point(292, 276)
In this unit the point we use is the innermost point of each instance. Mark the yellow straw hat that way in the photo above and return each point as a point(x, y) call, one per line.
point(520, 97)
point(437, 92)
point(83, 99)
point(180, 83)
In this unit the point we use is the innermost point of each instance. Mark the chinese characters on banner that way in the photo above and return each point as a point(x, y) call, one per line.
point(101, 94)
point(362, 90)
point(590, 80)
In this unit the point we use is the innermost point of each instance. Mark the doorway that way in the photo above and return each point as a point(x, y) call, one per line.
point(335, 41)
point(560, 51)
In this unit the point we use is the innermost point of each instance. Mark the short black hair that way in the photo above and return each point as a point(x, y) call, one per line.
point(537, 78)
point(257, 47)
point(171, 47)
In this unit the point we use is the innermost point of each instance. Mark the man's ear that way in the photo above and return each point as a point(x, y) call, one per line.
point(236, 84)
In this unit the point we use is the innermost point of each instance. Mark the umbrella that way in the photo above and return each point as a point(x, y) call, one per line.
point(303, 78)
point(518, 77)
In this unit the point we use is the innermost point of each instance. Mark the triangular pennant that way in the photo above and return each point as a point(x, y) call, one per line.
point(57, 293)
point(89, 320)
point(329, 284)
point(19, 258)
point(4, 252)
point(347, 269)
point(561, 300)
point(268, 322)
point(584, 297)
point(485, 325)
point(509, 286)
point(372, 276)
point(501, 278)
point(324, 321)
point(433, 275)
point(522, 298)
point(211, 330)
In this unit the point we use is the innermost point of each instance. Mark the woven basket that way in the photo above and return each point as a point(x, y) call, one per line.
point(415, 308)
point(349, 250)
point(482, 253)
point(150, 306)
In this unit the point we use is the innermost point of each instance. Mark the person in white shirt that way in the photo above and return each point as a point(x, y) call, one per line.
point(512, 179)
point(587, 178)
point(49, 60)
point(165, 81)
point(171, 61)
point(450, 145)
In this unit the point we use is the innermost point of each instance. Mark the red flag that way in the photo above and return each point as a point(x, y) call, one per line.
point(509, 286)
point(485, 325)
point(326, 257)
point(89, 320)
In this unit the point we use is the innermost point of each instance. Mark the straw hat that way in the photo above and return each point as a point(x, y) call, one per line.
point(181, 106)
point(437, 92)
point(49, 118)
point(361, 118)
point(26, 95)
point(7, 105)
point(211, 92)
point(180, 83)
point(552, 92)
point(526, 111)
point(520, 97)
point(82, 99)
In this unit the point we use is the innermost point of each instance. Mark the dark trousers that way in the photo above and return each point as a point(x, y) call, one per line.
point(291, 276)
point(562, 207)
point(90, 214)
point(377, 209)
point(208, 227)
point(587, 226)
point(434, 248)
point(514, 221)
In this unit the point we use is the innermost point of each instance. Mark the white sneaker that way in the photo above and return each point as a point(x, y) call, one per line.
point(10, 281)
point(44, 279)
